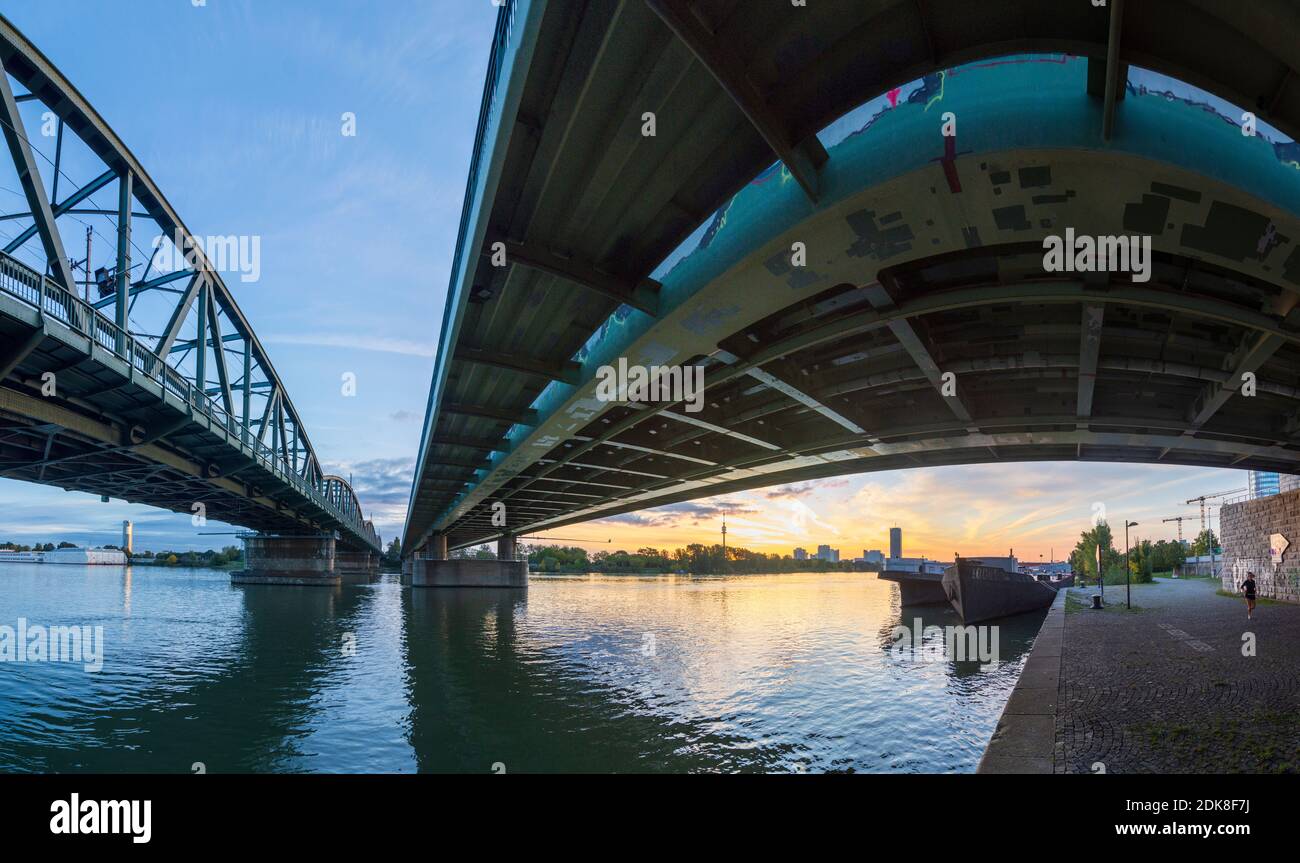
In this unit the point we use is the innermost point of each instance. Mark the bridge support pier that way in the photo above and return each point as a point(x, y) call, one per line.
point(435, 570)
point(469, 573)
point(356, 567)
point(294, 560)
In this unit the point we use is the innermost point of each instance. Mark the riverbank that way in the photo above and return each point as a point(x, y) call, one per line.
point(1024, 740)
point(1180, 683)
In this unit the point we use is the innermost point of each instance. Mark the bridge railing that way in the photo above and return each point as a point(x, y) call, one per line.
point(52, 300)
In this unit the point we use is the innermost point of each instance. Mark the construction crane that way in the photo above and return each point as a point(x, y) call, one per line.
point(1203, 498)
point(1180, 519)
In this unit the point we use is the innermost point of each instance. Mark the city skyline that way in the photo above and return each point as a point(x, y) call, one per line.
point(1035, 509)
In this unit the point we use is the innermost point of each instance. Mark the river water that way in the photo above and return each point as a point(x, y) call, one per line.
point(773, 673)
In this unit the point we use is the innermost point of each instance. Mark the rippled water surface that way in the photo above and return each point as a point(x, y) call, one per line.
point(590, 673)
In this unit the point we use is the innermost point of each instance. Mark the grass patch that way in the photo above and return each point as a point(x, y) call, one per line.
point(1248, 742)
point(1237, 596)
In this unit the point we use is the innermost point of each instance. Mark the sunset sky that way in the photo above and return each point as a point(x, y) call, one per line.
point(1034, 508)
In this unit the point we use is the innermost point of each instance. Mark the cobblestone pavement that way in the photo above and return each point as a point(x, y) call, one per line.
point(1165, 688)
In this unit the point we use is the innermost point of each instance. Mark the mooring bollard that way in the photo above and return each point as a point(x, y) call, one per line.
point(1096, 600)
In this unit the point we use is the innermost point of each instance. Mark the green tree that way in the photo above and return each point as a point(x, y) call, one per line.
point(1084, 557)
point(1205, 540)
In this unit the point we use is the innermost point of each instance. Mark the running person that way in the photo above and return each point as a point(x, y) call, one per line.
point(1248, 588)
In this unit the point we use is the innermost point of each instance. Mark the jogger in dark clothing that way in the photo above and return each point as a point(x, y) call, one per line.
point(1248, 588)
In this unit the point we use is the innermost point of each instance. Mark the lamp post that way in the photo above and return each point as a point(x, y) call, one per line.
point(1101, 577)
point(1127, 591)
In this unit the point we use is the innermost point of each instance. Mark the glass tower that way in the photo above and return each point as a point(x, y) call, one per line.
point(1263, 483)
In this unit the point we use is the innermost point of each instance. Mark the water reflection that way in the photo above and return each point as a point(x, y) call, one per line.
point(778, 673)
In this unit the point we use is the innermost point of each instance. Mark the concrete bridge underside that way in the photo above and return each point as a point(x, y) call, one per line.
point(924, 252)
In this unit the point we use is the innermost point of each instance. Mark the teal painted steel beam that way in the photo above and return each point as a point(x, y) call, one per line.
point(179, 313)
point(65, 207)
point(141, 287)
point(201, 360)
point(124, 196)
point(219, 355)
point(247, 388)
point(29, 177)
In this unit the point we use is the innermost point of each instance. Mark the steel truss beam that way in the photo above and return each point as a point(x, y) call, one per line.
point(66, 207)
point(29, 177)
point(930, 303)
point(30, 68)
point(641, 295)
point(563, 372)
point(803, 159)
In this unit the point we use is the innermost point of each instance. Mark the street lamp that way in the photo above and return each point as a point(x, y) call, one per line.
point(1127, 592)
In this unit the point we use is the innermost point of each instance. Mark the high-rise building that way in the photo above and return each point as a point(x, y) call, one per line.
point(895, 542)
point(1263, 483)
point(823, 552)
point(801, 554)
point(127, 536)
point(874, 556)
point(1288, 482)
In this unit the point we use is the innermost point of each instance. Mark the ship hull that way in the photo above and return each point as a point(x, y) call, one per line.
point(979, 592)
point(918, 588)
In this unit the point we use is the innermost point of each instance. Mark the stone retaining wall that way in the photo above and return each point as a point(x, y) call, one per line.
point(1247, 529)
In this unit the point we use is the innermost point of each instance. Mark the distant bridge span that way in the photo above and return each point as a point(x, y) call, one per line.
point(190, 416)
point(924, 252)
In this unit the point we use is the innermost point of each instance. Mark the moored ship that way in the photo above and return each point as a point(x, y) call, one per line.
point(978, 592)
point(917, 588)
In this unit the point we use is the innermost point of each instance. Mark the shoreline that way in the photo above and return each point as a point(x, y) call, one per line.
point(1024, 740)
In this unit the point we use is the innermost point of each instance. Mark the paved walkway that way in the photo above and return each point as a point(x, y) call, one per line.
point(1165, 688)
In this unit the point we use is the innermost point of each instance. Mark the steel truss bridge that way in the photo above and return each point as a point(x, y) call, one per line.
point(190, 414)
point(820, 125)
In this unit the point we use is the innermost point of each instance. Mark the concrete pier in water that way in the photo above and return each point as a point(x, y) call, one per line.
point(311, 560)
point(436, 570)
point(356, 567)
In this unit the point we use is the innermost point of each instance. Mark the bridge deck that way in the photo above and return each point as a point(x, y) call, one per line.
point(924, 253)
point(78, 415)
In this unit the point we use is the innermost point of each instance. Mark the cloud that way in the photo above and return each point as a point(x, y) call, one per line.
point(676, 514)
point(355, 341)
point(803, 489)
point(383, 486)
point(404, 416)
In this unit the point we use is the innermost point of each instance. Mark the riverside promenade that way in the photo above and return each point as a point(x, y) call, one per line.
point(1170, 686)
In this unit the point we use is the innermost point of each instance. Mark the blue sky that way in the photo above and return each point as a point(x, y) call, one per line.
point(234, 109)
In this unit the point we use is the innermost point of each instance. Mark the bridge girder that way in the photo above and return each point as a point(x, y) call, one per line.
point(779, 372)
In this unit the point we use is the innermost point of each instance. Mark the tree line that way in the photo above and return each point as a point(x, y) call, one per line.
point(48, 546)
point(1146, 558)
point(696, 559)
point(227, 556)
